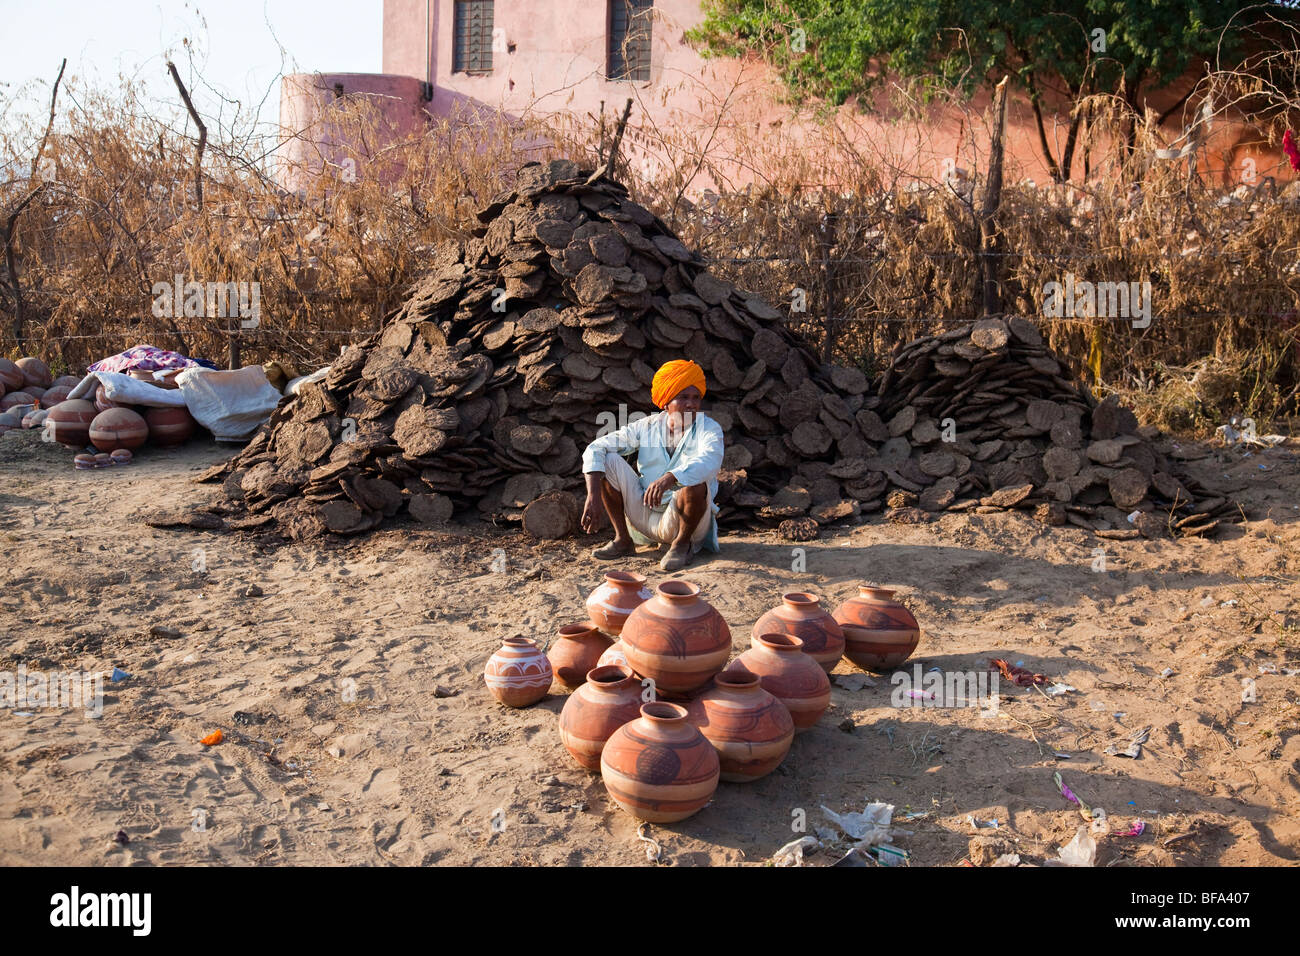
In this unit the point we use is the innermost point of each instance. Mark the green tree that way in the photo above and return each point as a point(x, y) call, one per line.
point(835, 49)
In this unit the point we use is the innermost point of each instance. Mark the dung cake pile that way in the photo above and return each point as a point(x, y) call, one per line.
point(525, 342)
point(986, 417)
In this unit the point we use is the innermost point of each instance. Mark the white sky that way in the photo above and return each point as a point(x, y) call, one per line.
point(234, 41)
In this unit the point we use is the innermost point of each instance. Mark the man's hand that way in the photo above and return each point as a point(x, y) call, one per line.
point(593, 510)
point(658, 488)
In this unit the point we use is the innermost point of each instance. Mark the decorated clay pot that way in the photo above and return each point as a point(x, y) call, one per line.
point(54, 395)
point(610, 604)
point(576, 650)
point(749, 728)
point(122, 456)
point(169, 426)
point(35, 372)
point(609, 698)
point(35, 418)
point(67, 381)
point(659, 767)
point(789, 675)
point(879, 633)
point(103, 403)
point(72, 422)
point(802, 615)
point(118, 428)
point(519, 674)
point(14, 399)
point(615, 654)
point(11, 376)
point(676, 639)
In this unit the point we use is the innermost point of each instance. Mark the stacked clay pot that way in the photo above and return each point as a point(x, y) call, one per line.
point(72, 422)
point(576, 650)
point(676, 639)
point(11, 377)
point(102, 402)
point(609, 698)
point(659, 767)
point(9, 421)
point(35, 418)
point(789, 675)
point(170, 426)
point(118, 428)
point(35, 372)
point(610, 604)
point(15, 399)
point(55, 394)
point(749, 728)
point(801, 615)
point(66, 381)
point(519, 673)
point(879, 633)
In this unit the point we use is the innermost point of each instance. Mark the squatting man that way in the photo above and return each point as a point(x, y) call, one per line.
point(669, 498)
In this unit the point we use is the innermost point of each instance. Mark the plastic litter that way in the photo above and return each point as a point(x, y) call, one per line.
point(1167, 672)
point(212, 739)
point(792, 853)
point(983, 824)
point(1133, 747)
point(870, 827)
point(119, 675)
point(1081, 851)
point(1137, 829)
point(1062, 754)
point(1056, 690)
point(1268, 668)
point(1007, 859)
point(890, 855)
point(1017, 674)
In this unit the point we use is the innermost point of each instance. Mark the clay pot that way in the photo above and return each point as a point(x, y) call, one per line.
point(11, 376)
point(168, 378)
point(609, 698)
point(103, 460)
point(879, 633)
point(170, 426)
point(122, 456)
point(54, 395)
point(36, 392)
point(659, 767)
point(118, 428)
point(35, 372)
point(789, 675)
point(72, 422)
point(519, 674)
point(14, 399)
point(35, 418)
point(67, 381)
point(609, 605)
point(84, 462)
point(103, 403)
point(615, 654)
point(802, 615)
point(676, 639)
point(9, 421)
point(576, 650)
point(749, 728)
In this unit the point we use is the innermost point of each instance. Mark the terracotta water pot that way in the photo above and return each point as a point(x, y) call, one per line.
point(72, 422)
point(35, 372)
point(519, 674)
point(54, 395)
point(35, 418)
point(84, 462)
point(169, 426)
point(67, 381)
point(118, 428)
point(576, 650)
point(616, 653)
point(122, 456)
point(103, 460)
point(659, 767)
point(609, 698)
point(609, 605)
point(676, 639)
point(749, 728)
point(36, 392)
point(879, 633)
point(11, 376)
point(9, 421)
point(801, 615)
point(14, 399)
point(103, 403)
point(789, 675)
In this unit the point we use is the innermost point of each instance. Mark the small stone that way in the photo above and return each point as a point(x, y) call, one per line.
point(252, 591)
point(846, 725)
point(167, 633)
point(442, 690)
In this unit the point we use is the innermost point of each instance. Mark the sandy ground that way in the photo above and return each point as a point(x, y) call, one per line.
point(347, 757)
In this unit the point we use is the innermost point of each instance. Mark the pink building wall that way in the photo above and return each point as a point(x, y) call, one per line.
point(550, 57)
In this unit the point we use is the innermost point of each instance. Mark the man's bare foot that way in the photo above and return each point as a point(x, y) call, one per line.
point(676, 558)
point(615, 549)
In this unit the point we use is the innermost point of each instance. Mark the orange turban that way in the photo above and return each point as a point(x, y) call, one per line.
point(674, 377)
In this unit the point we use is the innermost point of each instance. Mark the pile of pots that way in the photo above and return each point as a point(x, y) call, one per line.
point(657, 709)
point(27, 390)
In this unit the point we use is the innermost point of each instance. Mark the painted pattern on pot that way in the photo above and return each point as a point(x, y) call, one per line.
point(616, 653)
point(610, 604)
point(749, 728)
point(576, 650)
point(801, 615)
point(789, 675)
point(519, 673)
point(677, 639)
point(879, 632)
point(659, 767)
point(609, 698)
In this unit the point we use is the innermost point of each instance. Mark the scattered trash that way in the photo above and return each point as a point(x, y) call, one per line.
point(212, 739)
point(324, 807)
point(1081, 851)
point(1231, 603)
point(1008, 859)
point(854, 681)
point(1167, 672)
point(1133, 748)
point(1120, 714)
point(119, 675)
point(869, 828)
point(983, 824)
point(1070, 795)
point(1017, 674)
point(243, 718)
point(1062, 754)
point(23, 713)
point(921, 694)
point(890, 855)
point(1056, 690)
point(792, 853)
point(1137, 829)
point(653, 850)
point(914, 816)
point(1268, 668)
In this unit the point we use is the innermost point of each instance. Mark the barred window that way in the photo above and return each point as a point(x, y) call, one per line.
point(473, 29)
point(629, 40)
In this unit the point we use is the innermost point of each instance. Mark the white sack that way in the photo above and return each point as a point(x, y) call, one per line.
point(231, 405)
